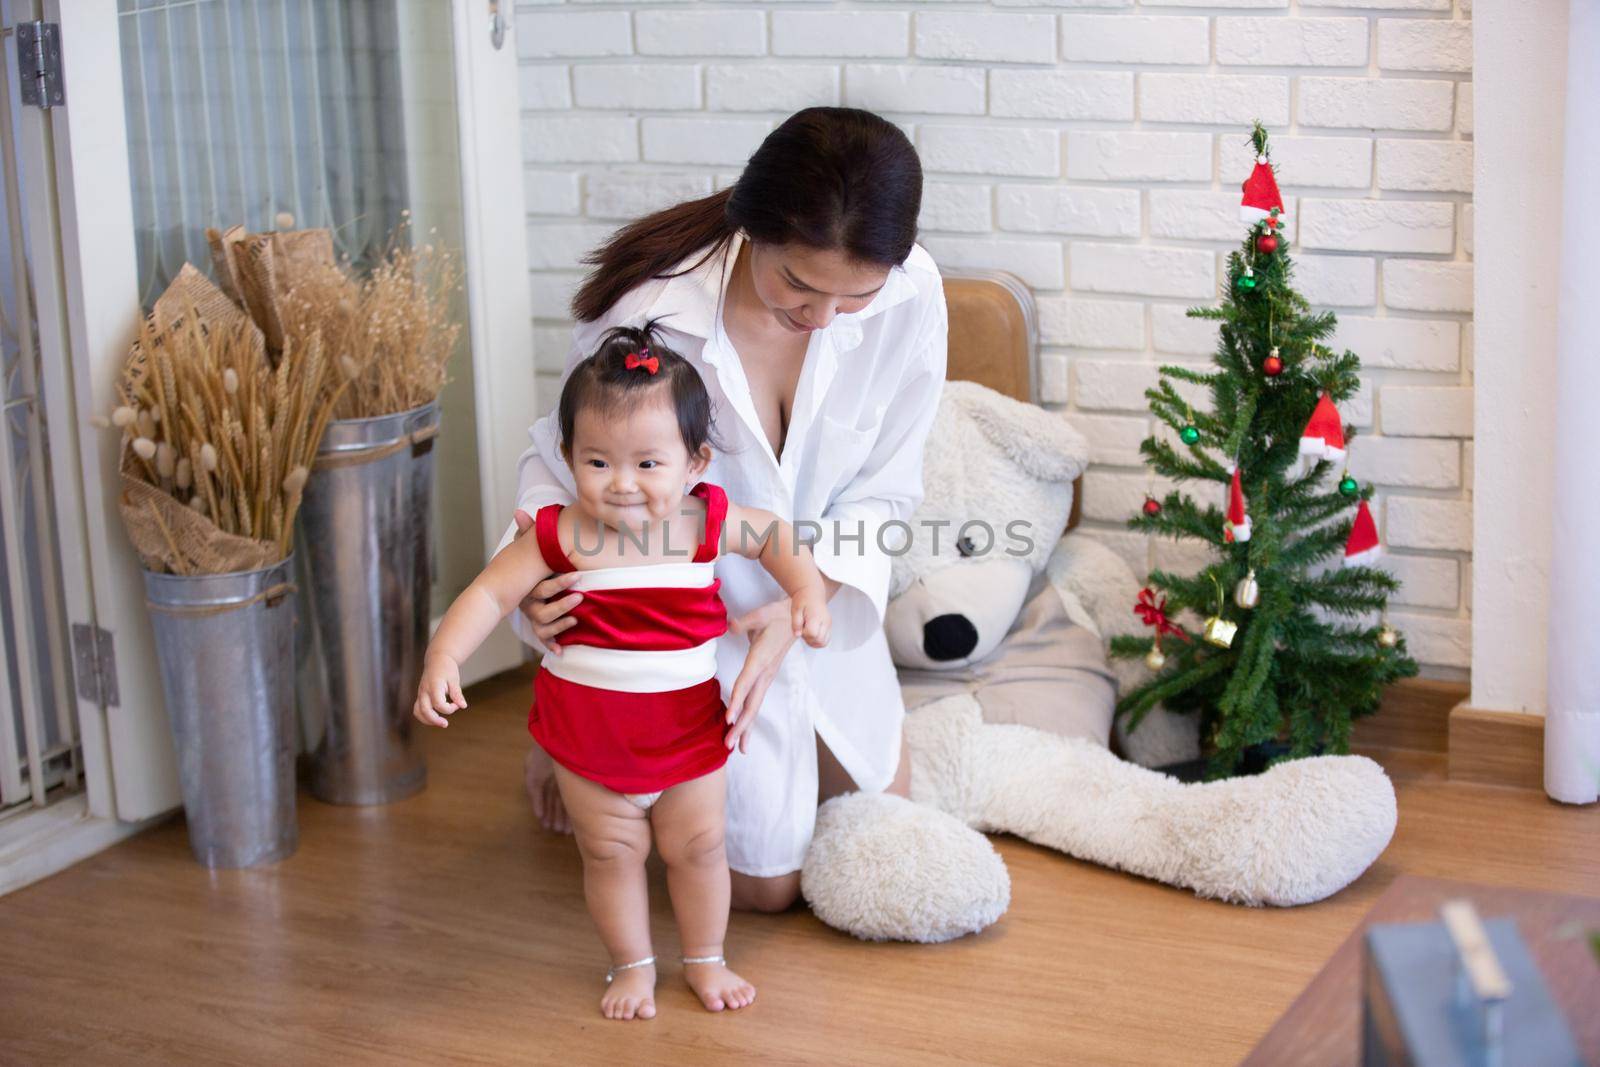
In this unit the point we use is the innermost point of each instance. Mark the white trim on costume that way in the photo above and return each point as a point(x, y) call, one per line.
point(647, 576)
point(628, 670)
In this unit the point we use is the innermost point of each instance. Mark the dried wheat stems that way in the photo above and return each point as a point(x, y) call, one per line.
point(209, 421)
point(227, 392)
point(392, 331)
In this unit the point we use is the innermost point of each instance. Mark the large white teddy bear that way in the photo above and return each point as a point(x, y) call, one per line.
point(999, 627)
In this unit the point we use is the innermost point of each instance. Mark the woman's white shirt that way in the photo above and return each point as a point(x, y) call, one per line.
point(852, 463)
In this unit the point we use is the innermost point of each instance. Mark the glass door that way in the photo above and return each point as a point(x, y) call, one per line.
point(40, 758)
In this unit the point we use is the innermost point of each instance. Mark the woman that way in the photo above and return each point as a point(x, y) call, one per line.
point(819, 326)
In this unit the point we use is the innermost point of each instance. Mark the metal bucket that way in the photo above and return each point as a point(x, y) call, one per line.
point(365, 531)
point(226, 645)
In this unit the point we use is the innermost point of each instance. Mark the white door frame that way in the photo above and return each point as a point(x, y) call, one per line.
point(89, 317)
point(99, 280)
point(488, 109)
point(85, 307)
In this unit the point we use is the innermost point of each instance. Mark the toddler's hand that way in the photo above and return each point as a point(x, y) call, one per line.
point(809, 613)
point(440, 690)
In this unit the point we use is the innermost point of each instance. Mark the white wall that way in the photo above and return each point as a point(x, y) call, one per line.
point(1523, 52)
point(1095, 149)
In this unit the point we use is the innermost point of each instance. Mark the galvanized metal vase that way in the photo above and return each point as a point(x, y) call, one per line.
point(365, 530)
point(226, 646)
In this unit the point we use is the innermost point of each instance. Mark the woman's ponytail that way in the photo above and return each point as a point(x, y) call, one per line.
point(650, 248)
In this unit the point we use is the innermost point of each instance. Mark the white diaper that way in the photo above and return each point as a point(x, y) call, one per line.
point(644, 800)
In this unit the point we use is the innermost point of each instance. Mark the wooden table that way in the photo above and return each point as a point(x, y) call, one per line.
point(1323, 1025)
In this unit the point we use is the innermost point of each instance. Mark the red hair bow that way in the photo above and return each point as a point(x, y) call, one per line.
point(649, 363)
point(1154, 614)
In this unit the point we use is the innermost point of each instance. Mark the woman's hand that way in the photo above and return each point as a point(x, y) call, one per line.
point(439, 690)
point(770, 632)
point(547, 614)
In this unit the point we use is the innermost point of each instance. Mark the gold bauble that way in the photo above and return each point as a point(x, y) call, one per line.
point(1247, 594)
point(1155, 659)
point(1388, 637)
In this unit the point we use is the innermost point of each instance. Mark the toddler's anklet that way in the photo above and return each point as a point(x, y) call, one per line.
point(706, 959)
point(612, 973)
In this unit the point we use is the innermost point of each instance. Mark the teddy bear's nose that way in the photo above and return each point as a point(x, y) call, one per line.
point(948, 637)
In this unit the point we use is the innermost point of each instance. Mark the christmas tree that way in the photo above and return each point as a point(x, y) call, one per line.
point(1291, 653)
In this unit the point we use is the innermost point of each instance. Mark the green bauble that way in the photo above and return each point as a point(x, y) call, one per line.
point(1349, 486)
point(1189, 434)
point(1247, 281)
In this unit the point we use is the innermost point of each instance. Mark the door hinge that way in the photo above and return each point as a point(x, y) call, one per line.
point(39, 64)
point(95, 656)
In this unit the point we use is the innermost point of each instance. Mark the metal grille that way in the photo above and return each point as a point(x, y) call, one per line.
point(269, 113)
point(38, 736)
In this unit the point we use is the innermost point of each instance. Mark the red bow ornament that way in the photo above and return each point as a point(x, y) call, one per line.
point(649, 363)
point(1154, 614)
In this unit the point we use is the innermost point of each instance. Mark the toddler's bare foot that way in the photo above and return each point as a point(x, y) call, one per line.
point(539, 777)
point(631, 994)
point(717, 987)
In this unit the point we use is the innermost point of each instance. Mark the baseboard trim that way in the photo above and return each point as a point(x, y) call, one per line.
point(36, 844)
point(1415, 716)
point(1429, 723)
point(1503, 748)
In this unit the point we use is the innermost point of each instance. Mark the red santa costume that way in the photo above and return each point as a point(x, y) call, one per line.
point(632, 700)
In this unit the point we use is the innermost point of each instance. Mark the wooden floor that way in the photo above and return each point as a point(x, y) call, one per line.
point(449, 929)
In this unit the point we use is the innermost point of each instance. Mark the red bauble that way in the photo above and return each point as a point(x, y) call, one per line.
point(1272, 366)
point(1266, 243)
point(1152, 506)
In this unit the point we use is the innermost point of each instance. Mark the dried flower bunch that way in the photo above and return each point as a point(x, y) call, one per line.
point(393, 331)
point(218, 439)
point(228, 390)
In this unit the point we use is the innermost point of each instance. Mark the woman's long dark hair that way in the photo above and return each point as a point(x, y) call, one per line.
point(829, 178)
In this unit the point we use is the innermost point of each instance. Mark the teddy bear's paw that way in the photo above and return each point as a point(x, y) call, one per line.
point(885, 869)
point(1296, 834)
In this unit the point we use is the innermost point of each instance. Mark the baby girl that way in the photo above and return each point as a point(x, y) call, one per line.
point(630, 708)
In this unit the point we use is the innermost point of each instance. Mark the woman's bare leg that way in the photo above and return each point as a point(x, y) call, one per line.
point(688, 821)
point(614, 840)
point(779, 892)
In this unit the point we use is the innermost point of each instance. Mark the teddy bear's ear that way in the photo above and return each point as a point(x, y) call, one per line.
point(1042, 443)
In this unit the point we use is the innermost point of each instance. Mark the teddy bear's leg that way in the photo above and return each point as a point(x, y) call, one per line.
point(1296, 834)
point(886, 869)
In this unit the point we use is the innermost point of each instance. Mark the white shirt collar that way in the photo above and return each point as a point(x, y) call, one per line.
point(687, 302)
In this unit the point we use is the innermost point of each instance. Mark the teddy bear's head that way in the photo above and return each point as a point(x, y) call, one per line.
point(997, 479)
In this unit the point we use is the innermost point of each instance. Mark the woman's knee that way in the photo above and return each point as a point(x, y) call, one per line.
point(774, 894)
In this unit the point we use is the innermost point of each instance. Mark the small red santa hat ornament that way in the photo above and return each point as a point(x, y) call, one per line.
point(1362, 548)
point(1260, 194)
point(1323, 437)
point(1237, 528)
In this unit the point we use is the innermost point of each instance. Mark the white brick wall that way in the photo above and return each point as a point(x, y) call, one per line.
point(1135, 39)
point(1291, 42)
point(996, 38)
point(1094, 148)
